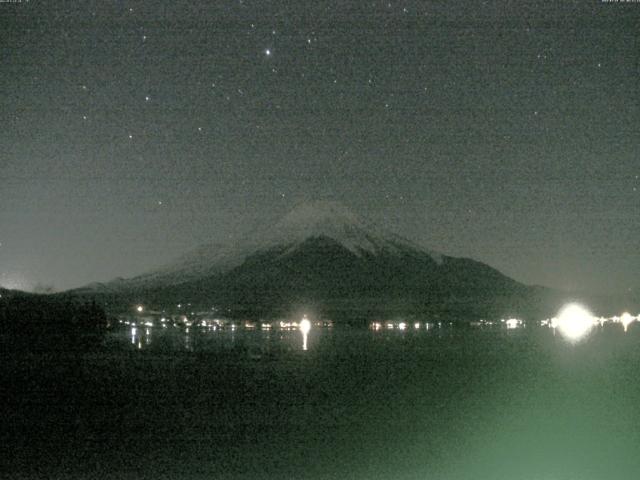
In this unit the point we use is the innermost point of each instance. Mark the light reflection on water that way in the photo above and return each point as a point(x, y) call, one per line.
point(196, 338)
point(427, 401)
point(574, 322)
point(304, 337)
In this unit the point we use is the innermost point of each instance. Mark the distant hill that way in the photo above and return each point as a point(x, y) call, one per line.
point(322, 257)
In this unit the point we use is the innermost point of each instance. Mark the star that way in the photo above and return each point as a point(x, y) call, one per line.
point(267, 52)
point(130, 136)
point(147, 98)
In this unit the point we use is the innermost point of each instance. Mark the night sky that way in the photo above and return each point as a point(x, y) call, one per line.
point(505, 131)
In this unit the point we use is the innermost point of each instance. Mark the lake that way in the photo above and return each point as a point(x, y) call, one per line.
point(443, 403)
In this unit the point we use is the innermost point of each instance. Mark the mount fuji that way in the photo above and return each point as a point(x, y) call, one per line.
point(324, 258)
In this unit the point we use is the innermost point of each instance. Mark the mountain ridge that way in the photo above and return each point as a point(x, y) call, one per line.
point(307, 220)
point(323, 255)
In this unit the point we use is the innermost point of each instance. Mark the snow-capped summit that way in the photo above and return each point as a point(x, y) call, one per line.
point(312, 220)
point(332, 220)
point(324, 219)
point(323, 254)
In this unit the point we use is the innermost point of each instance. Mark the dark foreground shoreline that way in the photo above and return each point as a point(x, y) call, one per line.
point(492, 405)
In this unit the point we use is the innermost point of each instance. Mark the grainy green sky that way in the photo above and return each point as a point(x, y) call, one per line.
point(505, 131)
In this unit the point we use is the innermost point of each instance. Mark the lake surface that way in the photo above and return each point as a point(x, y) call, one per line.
point(447, 403)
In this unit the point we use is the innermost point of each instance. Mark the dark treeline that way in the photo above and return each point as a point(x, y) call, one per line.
point(50, 322)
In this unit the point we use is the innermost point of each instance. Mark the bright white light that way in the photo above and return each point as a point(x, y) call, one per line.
point(267, 52)
point(574, 321)
point(513, 323)
point(402, 326)
point(139, 308)
point(626, 319)
point(305, 325)
point(416, 325)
